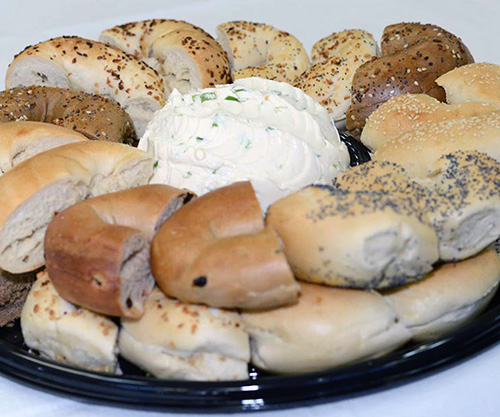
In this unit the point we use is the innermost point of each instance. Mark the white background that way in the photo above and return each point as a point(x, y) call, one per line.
point(468, 389)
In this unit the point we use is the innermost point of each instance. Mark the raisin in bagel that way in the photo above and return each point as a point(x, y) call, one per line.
point(96, 117)
point(40, 187)
point(260, 50)
point(97, 251)
point(413, 56)
point(215, 251)
point(185, 55)
point(93, 67)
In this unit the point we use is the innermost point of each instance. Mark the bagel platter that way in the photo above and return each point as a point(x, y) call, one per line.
point(236, 223)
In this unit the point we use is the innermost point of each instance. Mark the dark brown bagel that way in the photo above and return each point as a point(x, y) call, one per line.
point(413, 57)
point(96, 117)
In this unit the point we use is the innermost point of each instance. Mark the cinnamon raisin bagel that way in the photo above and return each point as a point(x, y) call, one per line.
point(93, 67)
point(185, 55)
point(260, 50)
point(94, 116)
point(413, 56)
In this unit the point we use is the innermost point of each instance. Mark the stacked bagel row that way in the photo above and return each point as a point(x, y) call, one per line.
point(131, 261)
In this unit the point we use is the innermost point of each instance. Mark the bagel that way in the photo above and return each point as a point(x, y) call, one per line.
point(451, 295)
point(260, 50)
point(91, 115)
point(419, 149)
point(327, 328)
point(13, 292)
point(216, 251)
point(22, 140)
point(407, 112)
point(93, 67)
point(185, 55)
point(335, 60)
point(97, 251)
point(42, 186)
point(474, 82)
point(174, 340)
point(67, 334)
point(413, 56)
point(358, 239)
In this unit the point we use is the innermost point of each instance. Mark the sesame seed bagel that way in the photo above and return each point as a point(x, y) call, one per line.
point(93, 67)
point(185, 55)
point(328, 327)
point(413, 56)
point(474, 82)
point(97, 252)
point(65, 333)
point(335, 60)
point(451, 295)
point(408, 112)
point(354, 239)
point(175, 340)
point(96, 117)
point(40, 187)
point(215, 251)
point(419, 149)
point(22, 140)
point(260, 50)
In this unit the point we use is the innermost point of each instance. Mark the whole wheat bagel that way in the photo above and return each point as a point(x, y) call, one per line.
point(40, 187)
point(96, 117)
point(97, 251)
point(413, 56)
point(65, 333)
point(335, 60)
point(93, 67)
point(216, 251)
point(185, 55)
point(22, 140)
point(354, 239)
point(260, 50)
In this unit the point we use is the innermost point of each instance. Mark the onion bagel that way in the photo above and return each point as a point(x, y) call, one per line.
point(215, 251)
point(93, 67)
point(96, 117)
point(260, 50)
point(413, 56)
point(185, 55)
point(40, 187)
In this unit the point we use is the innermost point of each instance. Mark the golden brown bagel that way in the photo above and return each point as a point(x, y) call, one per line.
point(216, 251)
point(185, 55)
point(260, 50)
point(413, 56)
point(93, 67)
point(97, 251)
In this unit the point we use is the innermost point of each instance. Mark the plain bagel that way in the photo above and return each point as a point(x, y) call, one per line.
point(185, 55)
point(413, 56)
point(215, 251)
point(97, 252)
point(22, 140)
point(64, 333)
point(175, 340)
point(96, 117)
point(448, 297)
point(354, 239)
point(328, 327)
point(42, 186)
point(260, 50)
point(93, 67)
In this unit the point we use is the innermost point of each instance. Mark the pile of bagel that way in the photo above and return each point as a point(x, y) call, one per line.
point(199, 287)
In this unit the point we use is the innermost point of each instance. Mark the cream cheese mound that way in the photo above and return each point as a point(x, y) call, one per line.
point(264, 131)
